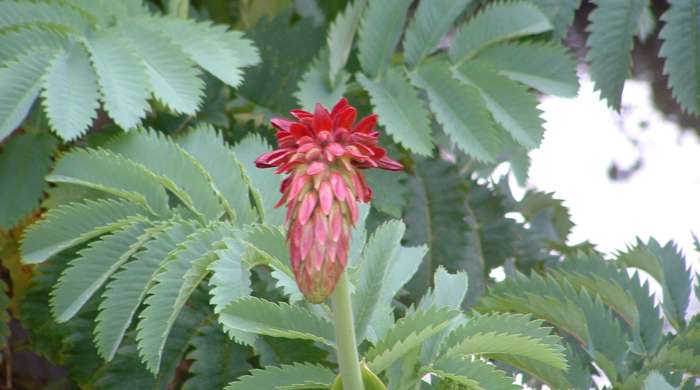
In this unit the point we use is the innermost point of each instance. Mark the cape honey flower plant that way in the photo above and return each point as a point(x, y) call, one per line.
point(323, 155)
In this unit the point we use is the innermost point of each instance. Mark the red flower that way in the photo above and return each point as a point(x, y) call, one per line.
point(323, 154)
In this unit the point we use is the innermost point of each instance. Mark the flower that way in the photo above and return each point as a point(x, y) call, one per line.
point(323, 155)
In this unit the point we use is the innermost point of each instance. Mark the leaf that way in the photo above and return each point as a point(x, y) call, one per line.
point(431, 21)
point(400, 110)
point(656, 381)
point(380, 30)
point(497, 23)
point(449, 290)
point(388, 190)
point(510, 104)
point(667, 265)
point(460, 111)
point(255, 315)
point(70, 93)
point(24, 162)
point(172, 77)
point(369, 379)
point(560, 13)
point(612, 27)
point(112, 174)
point(14, 13)
point(298, 375)
point(681, 50)
point(474, 374)
point(20, 82)
point(340, 36)
point(123, 295)
point(314, 87)
point(207, 146)
point(547, 67)
point(408, 333)
point(75, 223)
point(547, 215)
point(180, 274)
point(122, 78)
point(176, 169)
point(216, 361)
point(93, 266)
point(27, 39)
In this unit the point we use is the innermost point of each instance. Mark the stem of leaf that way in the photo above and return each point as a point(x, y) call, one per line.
point(348, 359)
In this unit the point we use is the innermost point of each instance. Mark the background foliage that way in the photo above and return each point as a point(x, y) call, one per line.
point(140, 246)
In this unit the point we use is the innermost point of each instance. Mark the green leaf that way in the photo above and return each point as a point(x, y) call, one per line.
point(388, 190)
point(123, 295)
point(216, 360)
point(449, 290)
point(70, 93)
point(511, 105)
point(314, 87)
point(496, 23)
point(20, 82)
point(122, 78)
point(681, 49)
point(472, 373)
point(369, 379)
point(288, 377)
point(15, 13)
point(112, 174)
point(75, 223)
point(430, 23)
point(29, 38)
point(207, 145)
point(400, 110)
point(24, 162)
point(667, 265)
point(408, 333)
point(265, 183)
point(380, 31)
point(341, 34)
point(180, 274)
point(612, 27)
point(176, 169)
point(255, 315)
point(172, 77)
point(547, 215)
point(220, 51)
point(460, 111)
point(547, 67)
point(93, 266)
point(560, 13)
point(656, 381)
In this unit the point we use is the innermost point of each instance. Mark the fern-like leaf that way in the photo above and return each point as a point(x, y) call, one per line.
point(75, 223)
point(314, 87)
point(340, 36)
point(560, 13)
point(430, 23)
point(380, 31)
point(400, 110)
point(474, 374)
point(612, 27)
point(15, 13)
point(296, 376)
point(29, 38)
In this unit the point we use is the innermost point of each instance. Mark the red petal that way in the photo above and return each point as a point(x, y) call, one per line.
point(322, 119)
point(389, 164)
point(367, 124)
point(336, 149)
point(301, 114)
point(271, 159)
point(299, 130)
point(342, 103)
point(282, 124)
point(336, 223)
point(346, 118)
point(352, 205)
point(307, 207)
point(307, 240)
point(320, 227)
point(325, 196)
point(338, 185)
point(315, 168)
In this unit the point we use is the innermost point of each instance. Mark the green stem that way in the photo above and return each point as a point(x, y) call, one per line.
point(179, 8)
point(348, 359)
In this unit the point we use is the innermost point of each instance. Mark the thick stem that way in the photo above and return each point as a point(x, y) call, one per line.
point(348, 359)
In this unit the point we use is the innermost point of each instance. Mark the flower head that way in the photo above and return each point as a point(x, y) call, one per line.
point(322, 155)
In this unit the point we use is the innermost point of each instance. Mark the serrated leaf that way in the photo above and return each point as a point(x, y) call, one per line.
point(314, 87)
point(20, 82)
point(207, 145)
point(122, 78)
point(123, 295)
point(172, 77)
point(388, 191)
point(70, 93)
point(14, 13)
point(400, 110)
point(180, 274)
point(511, 105)
point(93, 266)
point(449, 290)
point(341, 34)
point(612, 27)
point(547, 67)
point(407, 334)
point(430, 23)
point(475, 374)
point(255, 315)
point(287, 377)
point(656, 381)
point(681, 49)
point(460, 111)
point(547, 215)
point(74, 223)
point(560, 13)
point(29, 38)
point(24, 161)
point(113, 174)
point(380, 30)
point(174, 168)
point(497, 23)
